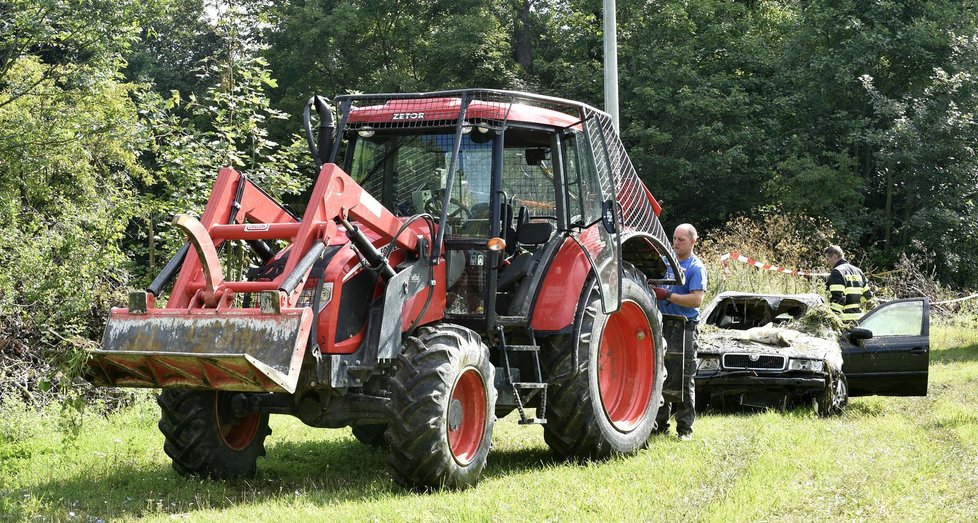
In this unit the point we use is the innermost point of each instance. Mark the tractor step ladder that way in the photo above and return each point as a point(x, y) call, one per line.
point(523, 390)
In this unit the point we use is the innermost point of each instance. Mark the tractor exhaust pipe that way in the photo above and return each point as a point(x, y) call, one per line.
point(324, 145)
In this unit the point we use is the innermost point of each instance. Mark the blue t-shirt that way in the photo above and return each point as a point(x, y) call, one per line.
point(695, 281)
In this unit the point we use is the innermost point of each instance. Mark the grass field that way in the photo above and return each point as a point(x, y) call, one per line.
point(884, 459)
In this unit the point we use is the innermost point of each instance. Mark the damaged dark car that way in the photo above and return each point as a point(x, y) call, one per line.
point(785, 350)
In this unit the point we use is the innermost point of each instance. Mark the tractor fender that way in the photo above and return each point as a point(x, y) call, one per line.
point(560, 288)
point(648, 254)
point(570, 268)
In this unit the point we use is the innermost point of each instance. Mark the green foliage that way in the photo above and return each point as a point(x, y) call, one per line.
point(930, 166)
point(226, 126)
point(89, 164)
point(788, 240)
point(174, 37)
point(335, 46)
point(69, 146)
point(693, 111)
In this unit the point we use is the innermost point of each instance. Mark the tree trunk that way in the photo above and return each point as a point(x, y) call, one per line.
point(888, 211)
point(521, 33)
point(152, 246)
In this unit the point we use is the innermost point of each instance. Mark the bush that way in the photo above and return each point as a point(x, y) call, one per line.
point(786, 240)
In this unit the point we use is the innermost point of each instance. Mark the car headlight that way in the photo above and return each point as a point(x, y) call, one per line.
point(709, 363)
point(809, 365)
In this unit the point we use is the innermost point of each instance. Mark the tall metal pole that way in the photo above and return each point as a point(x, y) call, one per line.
point(611, 62)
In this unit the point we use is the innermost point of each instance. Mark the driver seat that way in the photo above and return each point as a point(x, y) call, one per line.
point(528, 234)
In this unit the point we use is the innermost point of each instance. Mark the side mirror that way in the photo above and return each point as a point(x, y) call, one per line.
point(858, 334)
point(608, 216)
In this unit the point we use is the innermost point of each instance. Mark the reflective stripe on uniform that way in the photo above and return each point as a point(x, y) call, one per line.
point(849, 290)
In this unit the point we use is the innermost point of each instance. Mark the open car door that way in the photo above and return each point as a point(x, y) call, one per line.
point(888, 352)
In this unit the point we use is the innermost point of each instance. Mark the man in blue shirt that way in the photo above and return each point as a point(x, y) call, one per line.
point(683, 300)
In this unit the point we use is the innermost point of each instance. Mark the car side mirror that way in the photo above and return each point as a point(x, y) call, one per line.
point(858, 334)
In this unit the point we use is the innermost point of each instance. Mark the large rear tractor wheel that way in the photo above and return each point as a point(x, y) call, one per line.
point(443, 409)
point(204, 439)
point(608, 404)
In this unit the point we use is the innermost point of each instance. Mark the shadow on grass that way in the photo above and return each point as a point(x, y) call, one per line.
point(958, 354)
point(502, 463)
point(799, 408)
point(325, 472)
point(318, 473)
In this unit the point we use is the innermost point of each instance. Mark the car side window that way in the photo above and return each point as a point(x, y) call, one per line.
point(896, 319)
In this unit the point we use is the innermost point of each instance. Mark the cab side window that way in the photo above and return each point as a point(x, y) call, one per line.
point(583, 192)
point(528, 178)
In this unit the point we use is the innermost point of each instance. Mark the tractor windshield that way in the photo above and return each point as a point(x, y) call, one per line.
point(408, 173)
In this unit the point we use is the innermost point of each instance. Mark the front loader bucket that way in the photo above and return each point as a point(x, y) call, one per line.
point(234, 350)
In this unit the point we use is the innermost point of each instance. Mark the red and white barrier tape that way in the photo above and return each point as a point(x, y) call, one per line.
point(955, 301)
point(725, 260)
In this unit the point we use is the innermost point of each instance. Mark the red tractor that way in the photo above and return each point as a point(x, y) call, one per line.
point(463, 254)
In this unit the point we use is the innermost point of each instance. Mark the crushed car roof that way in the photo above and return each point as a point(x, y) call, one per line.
point(773, 300)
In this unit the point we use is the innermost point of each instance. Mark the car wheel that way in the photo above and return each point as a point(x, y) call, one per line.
point(835, 396)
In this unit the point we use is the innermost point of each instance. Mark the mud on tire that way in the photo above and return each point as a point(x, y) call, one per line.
point(203, 439)
point(608, 405)
point(443, 409)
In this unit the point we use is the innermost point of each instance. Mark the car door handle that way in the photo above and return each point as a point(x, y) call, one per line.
point(918, 350)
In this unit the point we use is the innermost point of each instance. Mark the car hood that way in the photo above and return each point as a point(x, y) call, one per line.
point(773, 340)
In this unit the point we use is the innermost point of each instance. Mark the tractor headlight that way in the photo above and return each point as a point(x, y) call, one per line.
point(809, 365)
point(709, 363)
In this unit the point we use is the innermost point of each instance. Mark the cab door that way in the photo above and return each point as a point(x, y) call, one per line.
point(601, 238)
point(888, 353)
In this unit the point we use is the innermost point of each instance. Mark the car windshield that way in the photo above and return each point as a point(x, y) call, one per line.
point(745, 312)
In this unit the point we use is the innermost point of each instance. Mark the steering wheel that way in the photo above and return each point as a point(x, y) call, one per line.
point(456, 208)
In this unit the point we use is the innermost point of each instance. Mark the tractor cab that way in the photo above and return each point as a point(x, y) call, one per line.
point(506, 185)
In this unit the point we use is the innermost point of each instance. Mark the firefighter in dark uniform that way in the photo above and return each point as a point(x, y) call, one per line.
point(847, 285)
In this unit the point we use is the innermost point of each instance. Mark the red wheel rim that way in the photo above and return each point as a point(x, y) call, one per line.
point(467, 416)
point(626, 366)
point(236, 433)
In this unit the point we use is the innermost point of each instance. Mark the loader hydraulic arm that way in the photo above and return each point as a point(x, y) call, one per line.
point(336, 200)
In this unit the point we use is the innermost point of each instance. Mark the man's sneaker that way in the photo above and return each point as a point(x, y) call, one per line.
point(685, 437)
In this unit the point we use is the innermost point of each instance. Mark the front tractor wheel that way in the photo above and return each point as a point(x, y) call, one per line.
point(204, 439)
point(608, 404)
point(443, 409)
